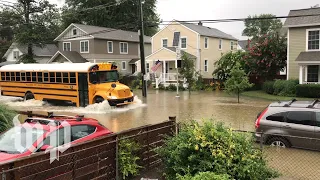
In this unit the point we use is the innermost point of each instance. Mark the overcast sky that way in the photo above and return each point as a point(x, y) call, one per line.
point(222, 9)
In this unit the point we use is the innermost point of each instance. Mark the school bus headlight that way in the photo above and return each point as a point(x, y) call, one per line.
point(112, 97)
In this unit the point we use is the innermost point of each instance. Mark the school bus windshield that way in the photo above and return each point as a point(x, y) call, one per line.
point(105, 77)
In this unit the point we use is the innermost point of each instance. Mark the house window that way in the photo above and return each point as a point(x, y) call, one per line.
point(313, 40)
point(74, 32)
point(183, 43)
point(16, 54)
point(312, 75)
point(206, 65)
point(84, 46)
point(110, 47)
point(220, 44)
point(123, 48)
point(206, 43)
point(231, 44)
point(67, 46)
point(148, 67)
point(164, 42)
point(123, 65)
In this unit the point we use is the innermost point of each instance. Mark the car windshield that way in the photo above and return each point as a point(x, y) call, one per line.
point(105, 76)
point(19, 139)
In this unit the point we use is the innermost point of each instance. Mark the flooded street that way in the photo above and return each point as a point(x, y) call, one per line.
point(157, 107)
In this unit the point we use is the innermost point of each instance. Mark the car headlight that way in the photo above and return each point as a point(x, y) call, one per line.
point(112, 97)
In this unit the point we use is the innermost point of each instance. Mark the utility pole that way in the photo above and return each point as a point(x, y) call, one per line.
point(142, 56)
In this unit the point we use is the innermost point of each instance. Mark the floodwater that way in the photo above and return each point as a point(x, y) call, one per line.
point(157, 107)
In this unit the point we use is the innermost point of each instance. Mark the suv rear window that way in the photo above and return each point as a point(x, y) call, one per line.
point(277, 117)
point(300, 117)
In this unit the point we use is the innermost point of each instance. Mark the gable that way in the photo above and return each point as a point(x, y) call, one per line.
point(68, 34)
point(162, 54)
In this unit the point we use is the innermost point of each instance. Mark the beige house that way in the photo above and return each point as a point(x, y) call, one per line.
point(303, 45)
point(204, 44)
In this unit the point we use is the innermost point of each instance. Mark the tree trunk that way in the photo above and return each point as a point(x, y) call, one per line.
point(238, 95)
point(27, 19)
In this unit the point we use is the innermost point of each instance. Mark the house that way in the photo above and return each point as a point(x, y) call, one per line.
point(100, 44)
point(41, 54)
point(243, 45)
point(206, 45)
point(303, 45)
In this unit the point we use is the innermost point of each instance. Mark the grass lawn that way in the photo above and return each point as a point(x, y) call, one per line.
point(262, 95)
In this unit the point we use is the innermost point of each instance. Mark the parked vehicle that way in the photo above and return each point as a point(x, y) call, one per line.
point(38, 134)
point(79, 83)
point(290, 124)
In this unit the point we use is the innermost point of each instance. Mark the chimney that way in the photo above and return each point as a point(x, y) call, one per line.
point(200, 23)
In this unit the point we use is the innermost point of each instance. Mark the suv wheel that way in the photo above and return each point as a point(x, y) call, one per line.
point(278, 142)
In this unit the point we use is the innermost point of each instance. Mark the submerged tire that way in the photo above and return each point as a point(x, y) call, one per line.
point(28, 96)
point(98, 99)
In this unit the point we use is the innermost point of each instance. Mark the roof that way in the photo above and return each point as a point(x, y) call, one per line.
point(47, 50)
point(108, 33)
point(243, 44)
point(208, 31)
point(69, 67)
point(71, 56)
point(308, 56)
point(175, 49)
point(303, 21)
point(133, 61)
point(7, 63)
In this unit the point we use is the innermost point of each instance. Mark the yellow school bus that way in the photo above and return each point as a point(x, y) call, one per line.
point(79, 83)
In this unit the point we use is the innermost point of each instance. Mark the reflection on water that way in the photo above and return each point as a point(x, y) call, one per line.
point(157, 107)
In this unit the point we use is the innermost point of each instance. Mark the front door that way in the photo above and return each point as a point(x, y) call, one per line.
point(133, 68)
point(299, 129)
point(83, 89)
point(167, 67)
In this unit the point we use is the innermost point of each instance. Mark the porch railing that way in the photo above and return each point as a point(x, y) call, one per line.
point(169, 76)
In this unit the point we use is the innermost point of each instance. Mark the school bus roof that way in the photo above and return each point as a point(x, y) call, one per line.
point(66, 67)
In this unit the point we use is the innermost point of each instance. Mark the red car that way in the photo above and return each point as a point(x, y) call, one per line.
point(35, 133)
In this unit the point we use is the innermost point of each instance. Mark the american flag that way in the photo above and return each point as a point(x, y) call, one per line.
point(156, 66)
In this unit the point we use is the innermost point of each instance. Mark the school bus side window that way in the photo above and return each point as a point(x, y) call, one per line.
point(58, 77)
point(28, 76)
point(23, 76)
point(46, 77)
point(52, 77)
point(7, 76)
point(18, 76)
point(73, 78)
point(39, 76)
point(65, 77)
point(34, 77)
point(3, 77)
point(12, 76)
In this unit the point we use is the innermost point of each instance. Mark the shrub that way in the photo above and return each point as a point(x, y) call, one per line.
point(6, 118)
point(285, 87)
point(268, 87)
point(172, 87)
point(161, 87)
point(308, 90)
point(213, 148)
point(128, 158)
point(205, 176)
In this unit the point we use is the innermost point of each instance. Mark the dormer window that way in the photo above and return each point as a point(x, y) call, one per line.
point(74, 32)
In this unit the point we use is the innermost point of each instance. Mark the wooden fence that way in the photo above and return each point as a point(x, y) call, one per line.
point(95, 159)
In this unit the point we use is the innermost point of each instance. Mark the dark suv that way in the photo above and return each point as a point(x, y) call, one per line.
point(290, 123)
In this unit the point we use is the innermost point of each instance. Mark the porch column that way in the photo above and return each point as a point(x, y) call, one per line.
point(300, 74)
point(305, 73)
point(164, 71)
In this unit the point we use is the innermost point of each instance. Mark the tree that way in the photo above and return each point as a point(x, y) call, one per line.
point(256, 28)
point(268, 56)
point(188, 70)
point(6, 118)
point(118, 14)
point(238, 81)
point(226, 63)
point(38, 23)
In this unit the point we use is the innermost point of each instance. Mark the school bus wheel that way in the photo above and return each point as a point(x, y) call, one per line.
point(28, 96)
point(98, 99)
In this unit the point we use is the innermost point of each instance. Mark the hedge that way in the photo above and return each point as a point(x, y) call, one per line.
point(268, 87)
point(281, 87)
point(308, 90)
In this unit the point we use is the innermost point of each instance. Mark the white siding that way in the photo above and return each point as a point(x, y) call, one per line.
point(10, 55)
point(69, 34)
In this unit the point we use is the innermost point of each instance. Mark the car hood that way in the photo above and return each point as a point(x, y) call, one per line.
point(8, 157)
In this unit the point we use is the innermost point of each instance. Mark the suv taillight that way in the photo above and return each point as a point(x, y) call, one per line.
point(259, 118)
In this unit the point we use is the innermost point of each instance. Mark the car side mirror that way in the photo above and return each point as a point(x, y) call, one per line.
point(45, 147)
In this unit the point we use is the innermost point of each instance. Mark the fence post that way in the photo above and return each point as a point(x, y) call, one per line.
point(117, 158)
point(3, 175)
point(174, 118)
point(261, 141)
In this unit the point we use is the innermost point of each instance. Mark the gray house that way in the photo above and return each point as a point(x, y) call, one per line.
point(100, 44)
